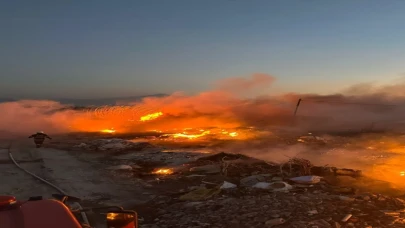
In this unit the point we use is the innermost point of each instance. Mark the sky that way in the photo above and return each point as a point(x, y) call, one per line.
point(93, 49)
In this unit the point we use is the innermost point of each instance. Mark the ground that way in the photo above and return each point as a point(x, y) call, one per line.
point(105, 175)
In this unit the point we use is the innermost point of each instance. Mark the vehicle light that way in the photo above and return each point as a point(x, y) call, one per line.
point(6, 202)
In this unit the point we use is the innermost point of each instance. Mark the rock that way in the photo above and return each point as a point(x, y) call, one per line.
point(345, 198)
point(262, 185)
point(277, 179)
point(228, 185)
point(280, 186)
point(252, 180)
point(209, 169)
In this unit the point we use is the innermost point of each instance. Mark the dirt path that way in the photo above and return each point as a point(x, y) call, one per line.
point(16, 182)
point(90, 181)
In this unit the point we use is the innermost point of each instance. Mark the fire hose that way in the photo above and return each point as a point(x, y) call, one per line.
point(83, 214)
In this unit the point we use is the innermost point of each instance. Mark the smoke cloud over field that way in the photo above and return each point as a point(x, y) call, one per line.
point(234, 103)
point(225, 106)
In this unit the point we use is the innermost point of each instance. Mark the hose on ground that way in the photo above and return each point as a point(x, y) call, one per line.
point(83, 214)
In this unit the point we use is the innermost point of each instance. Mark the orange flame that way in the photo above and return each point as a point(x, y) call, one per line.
point(108, 131)
point(151, 116)
point(163, 171)
point(190, 136)
point(129, 120)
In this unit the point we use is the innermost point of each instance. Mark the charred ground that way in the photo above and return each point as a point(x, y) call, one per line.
point(120, 169)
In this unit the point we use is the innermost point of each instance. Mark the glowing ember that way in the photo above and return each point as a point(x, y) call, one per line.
point(151, 116)
point(163, 171)
point(190, 136)
point(212, 133)
point(108, 131)
point(233, 134)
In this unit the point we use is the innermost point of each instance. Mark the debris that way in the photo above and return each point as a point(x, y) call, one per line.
point(220, 157)
point(113, 145)
point(343, 190)
point(252, 180)
point(333, 171)
point(277, 186)
point(320, 223)
point(277, 179)
point(280, 186)
point(345, 198)
point(306, 179)
point(195, 175)
point(262, 185)
point(227, 185)
point(313, 212)
point(82, 145)
point(200, 194)
point(206, 182)
point(303, 186)
point(391, 213)
point(208, 169)
point(274, 222)
point(346, 218)
point(296, 166)
point(319, 197)
point(348, 172)
point(120, 167)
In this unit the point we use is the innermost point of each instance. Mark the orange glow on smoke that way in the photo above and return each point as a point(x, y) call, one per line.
point(219, 113)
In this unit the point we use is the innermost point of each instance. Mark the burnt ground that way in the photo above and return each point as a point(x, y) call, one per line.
point(194, 199)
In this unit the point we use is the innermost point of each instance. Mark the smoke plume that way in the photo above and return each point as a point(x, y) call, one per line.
point(226, 106)
point(232, 104)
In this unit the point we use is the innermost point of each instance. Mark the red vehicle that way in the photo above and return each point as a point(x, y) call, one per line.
point(51, 213)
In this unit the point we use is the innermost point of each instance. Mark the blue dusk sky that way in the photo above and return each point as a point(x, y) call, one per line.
point(93, 49)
